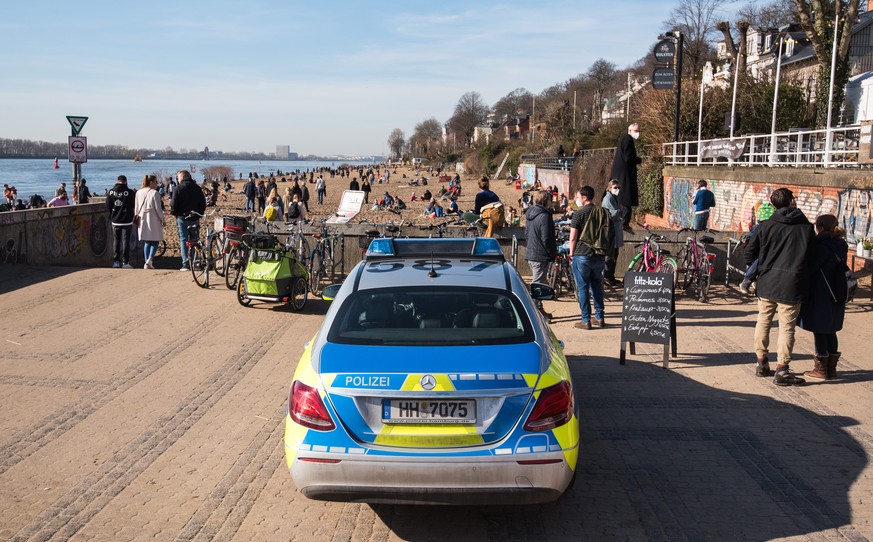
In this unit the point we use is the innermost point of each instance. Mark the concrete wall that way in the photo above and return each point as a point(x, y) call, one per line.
point(848, 194)
point(75, 235)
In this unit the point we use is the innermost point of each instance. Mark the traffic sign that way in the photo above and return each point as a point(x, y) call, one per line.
point(77, 149)
point(665, 51)
point(77, 123)
point(663, 78)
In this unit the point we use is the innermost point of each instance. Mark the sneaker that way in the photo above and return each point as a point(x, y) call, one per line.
point(784, 377)
point(127, 266)
point(184, 268)
point(582, 325)
point(744, 286)
point(116, 265)
point(149, 264)
point(598, 323)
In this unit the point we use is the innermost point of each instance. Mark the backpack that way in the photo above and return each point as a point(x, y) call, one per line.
point(597, 231)
point(294, 210)
point(271, 214)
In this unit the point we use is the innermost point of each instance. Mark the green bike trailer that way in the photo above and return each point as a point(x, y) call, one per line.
point(274, 276)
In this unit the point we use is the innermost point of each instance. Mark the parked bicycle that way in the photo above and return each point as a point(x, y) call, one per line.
point(207, 256)
point(696, 264)
point(652, 258)
point(236, 252)
point(560, 273)
point(322, 263)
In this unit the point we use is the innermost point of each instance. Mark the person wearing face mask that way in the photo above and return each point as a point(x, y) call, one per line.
point(624, 170)
point(616, 212)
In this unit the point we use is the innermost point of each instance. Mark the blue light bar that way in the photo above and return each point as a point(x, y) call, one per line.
point(381, 247)
point(486, 246)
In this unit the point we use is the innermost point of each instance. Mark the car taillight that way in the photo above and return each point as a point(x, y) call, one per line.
point(553, 408)
point(306, 408)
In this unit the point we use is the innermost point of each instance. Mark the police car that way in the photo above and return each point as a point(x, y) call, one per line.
point(433, 380)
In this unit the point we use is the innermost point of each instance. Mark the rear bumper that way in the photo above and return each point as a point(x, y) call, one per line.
point(425, 481)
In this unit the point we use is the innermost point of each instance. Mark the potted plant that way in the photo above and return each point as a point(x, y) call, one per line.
point(868, 246)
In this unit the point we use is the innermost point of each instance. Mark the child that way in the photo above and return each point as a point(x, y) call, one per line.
point(765, 211)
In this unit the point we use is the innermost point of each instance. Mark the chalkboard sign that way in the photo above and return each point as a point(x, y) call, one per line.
point(648, 314)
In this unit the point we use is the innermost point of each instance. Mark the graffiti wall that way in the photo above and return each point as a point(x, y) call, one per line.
point(77, 235)
point(736, 201)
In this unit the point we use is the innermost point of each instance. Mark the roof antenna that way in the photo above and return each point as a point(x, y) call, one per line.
point(432, 273)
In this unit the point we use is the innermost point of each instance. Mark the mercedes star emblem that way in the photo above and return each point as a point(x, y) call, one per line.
point(428, 382)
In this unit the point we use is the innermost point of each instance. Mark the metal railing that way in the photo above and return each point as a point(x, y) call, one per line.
point(563, 163)
point(837, 148)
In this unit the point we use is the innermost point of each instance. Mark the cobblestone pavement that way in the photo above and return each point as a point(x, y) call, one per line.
point(138, 406)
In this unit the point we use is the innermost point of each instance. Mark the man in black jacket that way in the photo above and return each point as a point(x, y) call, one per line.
point(539, 229)
point(624, 170)
point(784, 247)
point(187, 198)
point(119, 202)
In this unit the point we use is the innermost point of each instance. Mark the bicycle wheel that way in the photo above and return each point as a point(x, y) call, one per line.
point(567, 271)
point(299, 294)
point(241, 293)
point(199, 266)
point(301, 250)
point(234, 268)
point(316, 272)
point(704, 278)
point(553, 278)
point(637, 263)
point(216, 253)
point(668, 265)
point(687, 269)
point(162, 248)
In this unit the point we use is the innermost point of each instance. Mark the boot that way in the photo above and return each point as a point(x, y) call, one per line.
point(832, 364)
point(820, 372)
point(763, 367)
point(784, 377)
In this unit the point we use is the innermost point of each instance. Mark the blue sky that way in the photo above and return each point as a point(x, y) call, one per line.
point(325, 77)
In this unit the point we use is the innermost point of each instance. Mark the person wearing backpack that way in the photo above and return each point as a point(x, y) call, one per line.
point(591, 239)
point(824, 309)
point(295, 211)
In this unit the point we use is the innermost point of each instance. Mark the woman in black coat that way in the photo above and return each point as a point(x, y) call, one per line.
point(824, 309)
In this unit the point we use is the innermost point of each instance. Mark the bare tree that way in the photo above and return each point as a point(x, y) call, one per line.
point(427, 133)
point(774, 14)
point(817, 18)
point(735, 51)
point(470, 112)
point(515, 104)
point(696, 19)
point(396, 141)
point(602, 74)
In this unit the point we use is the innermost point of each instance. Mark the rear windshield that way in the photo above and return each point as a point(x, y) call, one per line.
point(431, 317)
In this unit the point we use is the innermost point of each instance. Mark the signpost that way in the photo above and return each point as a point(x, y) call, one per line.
point(663, 78)
point(648, 313)
point(669, 51)
point(665, 51)
point(77, 147)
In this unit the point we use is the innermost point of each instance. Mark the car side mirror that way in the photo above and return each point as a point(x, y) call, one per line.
point(540, 291)
point(329, 292)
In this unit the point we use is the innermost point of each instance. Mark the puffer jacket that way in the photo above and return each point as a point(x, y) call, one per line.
point(539, 229)
point(784, 246)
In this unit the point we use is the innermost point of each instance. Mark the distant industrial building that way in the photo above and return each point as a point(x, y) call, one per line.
point(282, 152)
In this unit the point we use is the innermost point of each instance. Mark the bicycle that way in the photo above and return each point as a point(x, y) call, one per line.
point(560, 274)
point(652, 258)
point(203, 258)
point(389, 227)
point(697, 263)
point(237, 253)
point(321, 259)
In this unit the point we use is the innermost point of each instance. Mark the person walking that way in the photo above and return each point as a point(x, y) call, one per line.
point(250, 191)
point(703, 201)
point(824, 310)
point(624, 170)
point(784, 248)
point(320, 189)
point(353, 185)
point(262, 196)
point(616, 212)
point(587, 263)
point(120, 203)
point(84, 195)
point(150, 228)
point(304, 196)
point(187, 198)
point(542, 248)
point(365, 188)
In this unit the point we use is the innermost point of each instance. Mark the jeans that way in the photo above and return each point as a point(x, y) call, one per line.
point(700, 220)
point(182, 225)
point(588, 272)
point(149, 248)
point(121, 247)
point(250, 204)
point(320, 194)
point(767, 309)
point(752, 272)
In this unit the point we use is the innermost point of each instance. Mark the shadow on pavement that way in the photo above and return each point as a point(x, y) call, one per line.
point(13, 277)
point(663, 456)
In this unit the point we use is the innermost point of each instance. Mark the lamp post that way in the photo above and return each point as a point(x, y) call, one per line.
point(775, 101)
point(829, 138)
